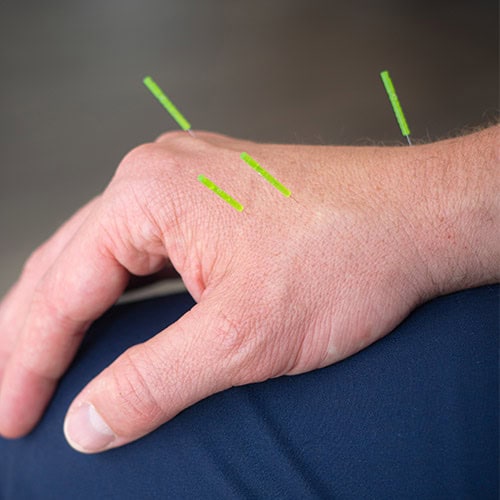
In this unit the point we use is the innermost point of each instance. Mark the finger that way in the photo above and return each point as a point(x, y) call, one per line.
point(202, 353)
point(7, 337)
point(14, 307)
point(83, 282)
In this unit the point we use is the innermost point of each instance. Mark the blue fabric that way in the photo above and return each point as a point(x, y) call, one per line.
point(413, 416)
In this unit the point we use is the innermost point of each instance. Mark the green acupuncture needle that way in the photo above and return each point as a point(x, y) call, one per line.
point(167, 104)
point(219, 192)
point(269, 178)
point(396, 106)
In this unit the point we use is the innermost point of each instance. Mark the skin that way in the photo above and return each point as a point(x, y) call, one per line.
point(286, 286)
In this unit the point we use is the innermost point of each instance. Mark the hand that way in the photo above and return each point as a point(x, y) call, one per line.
point(284, 287)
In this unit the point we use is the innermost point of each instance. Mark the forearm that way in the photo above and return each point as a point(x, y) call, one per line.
point(460, 214)
point(435, 208)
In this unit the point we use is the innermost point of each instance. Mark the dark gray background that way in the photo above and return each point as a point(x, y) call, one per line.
point(72, 102)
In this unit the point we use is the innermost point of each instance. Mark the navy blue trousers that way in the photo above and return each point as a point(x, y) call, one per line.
point(413, 416)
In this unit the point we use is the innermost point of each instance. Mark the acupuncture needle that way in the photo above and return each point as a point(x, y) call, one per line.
point(396, 105)
point(155, 89)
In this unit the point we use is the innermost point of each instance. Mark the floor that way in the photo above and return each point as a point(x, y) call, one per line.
point(301, 71)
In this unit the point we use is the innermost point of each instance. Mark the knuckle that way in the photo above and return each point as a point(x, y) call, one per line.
point(171, 136)
point(241, 347)
point(166, 153)
point(253, 345)
point(229, 334)
point(149, 169)
point(136, 391)
point(138, 160)
point(52, 312)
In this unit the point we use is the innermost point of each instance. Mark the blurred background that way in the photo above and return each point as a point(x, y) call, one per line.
point(72, 101)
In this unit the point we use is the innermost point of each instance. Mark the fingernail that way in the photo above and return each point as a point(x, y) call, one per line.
point(86, 431)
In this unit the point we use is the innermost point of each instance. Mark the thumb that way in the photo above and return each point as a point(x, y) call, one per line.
point(152, 382)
